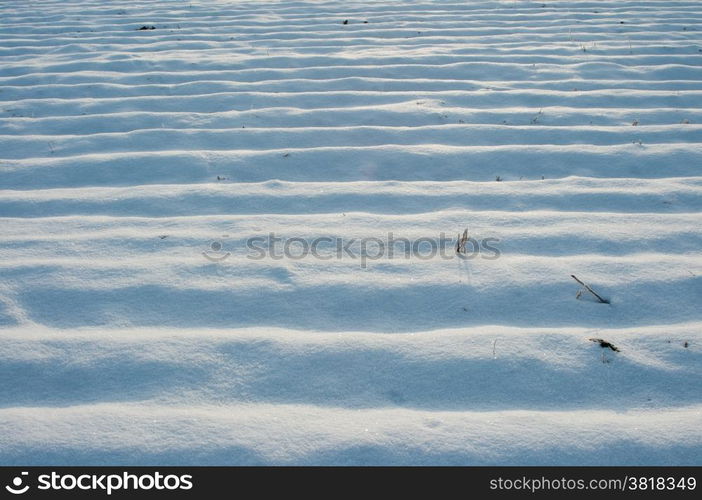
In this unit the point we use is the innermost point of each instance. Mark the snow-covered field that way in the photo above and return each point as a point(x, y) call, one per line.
point(129, 156)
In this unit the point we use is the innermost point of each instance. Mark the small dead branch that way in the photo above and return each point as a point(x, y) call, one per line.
point(461, 243)
point(604, 344)
point(602, 301)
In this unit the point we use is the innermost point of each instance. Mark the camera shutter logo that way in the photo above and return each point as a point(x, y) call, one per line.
point(16, 488)
point(216, 254)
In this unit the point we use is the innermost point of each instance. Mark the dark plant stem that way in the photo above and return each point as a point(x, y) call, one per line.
point(602, 301)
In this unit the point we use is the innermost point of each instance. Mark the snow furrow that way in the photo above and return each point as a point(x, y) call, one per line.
point(343, 164)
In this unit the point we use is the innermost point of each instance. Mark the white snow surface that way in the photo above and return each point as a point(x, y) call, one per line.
point(124, 153)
